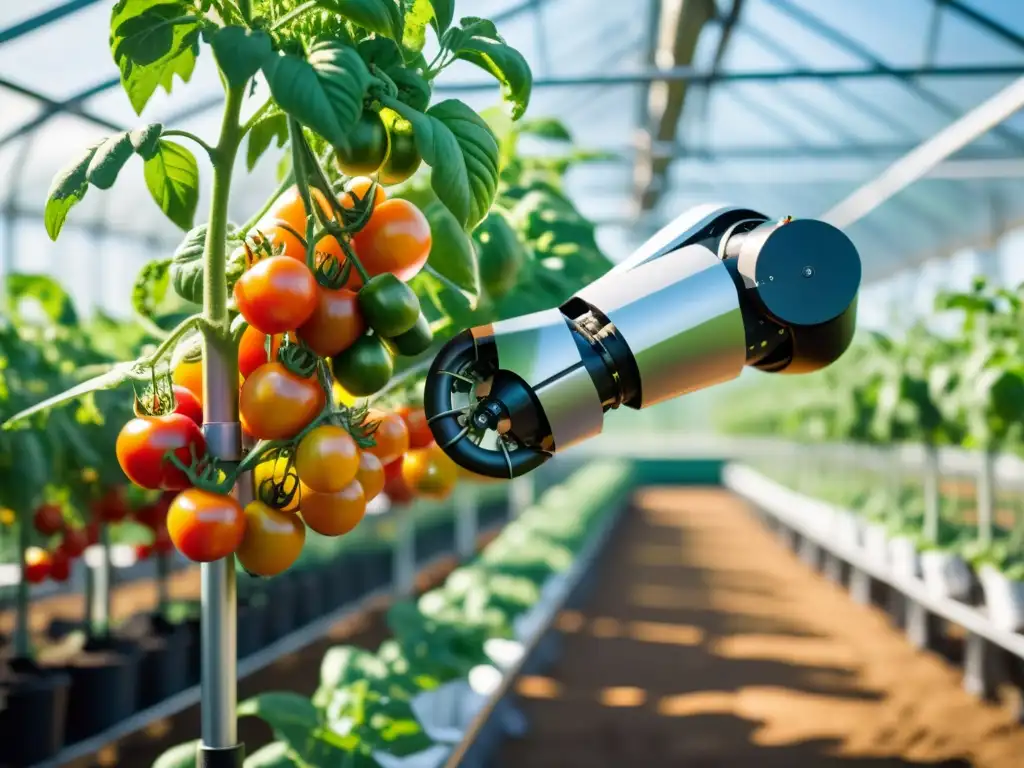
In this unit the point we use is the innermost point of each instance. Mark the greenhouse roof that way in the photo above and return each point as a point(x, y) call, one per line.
point(790, 106)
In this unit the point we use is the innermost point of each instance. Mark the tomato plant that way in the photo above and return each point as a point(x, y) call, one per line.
point(334, 514)
point(336, 323)
point(390, 435)
point(143, 445)
point(396, 240)
point(327, 459)
point(48, 519)
point(276, 295)
point(275, 403)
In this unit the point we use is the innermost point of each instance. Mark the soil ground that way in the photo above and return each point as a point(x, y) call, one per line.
point(706, 644)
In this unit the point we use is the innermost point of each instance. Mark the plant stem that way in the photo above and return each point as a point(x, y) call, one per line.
point(294, 13)
point(254, 118)
point(192, 137)
point(22, 648)
point(171, 341)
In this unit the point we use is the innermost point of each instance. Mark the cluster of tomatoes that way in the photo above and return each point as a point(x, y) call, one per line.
point(67, 541)
point(309, 335)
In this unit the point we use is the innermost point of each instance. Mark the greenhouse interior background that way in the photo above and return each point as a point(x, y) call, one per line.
point(820, 571)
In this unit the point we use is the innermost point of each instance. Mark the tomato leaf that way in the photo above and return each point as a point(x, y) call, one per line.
point(240, 52)
point(66, 191)
point(501, 254)
point(380, 16)
point(152, 41)
point(478, 42)
point(324, 92)
point(418, 14)
point(292, 716)
point(118, 374)
point(463, 153)
point(180, 756)
point(268, 130)
point(412, 89)
point(150, 289)
point(452, 255)
point(546, 128)
point(47, 293)
point(146, 141)
point(274, 755)
point(186, 267)
point(108, 160)
point(444, 12)
point(172, 177)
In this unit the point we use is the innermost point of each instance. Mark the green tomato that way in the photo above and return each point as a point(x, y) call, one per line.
point(404, 159)
point(365, 368)
point(414, 341)
point(389, 306)
point(368, 146)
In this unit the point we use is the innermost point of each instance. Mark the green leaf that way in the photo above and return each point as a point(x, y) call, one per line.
point(240, 52)
point(186, 268)
point(152, 41)
point(452, 256)
point(507, 65)
point(270, 129)
point(47, 293)
point(292, 716)
point(463, 153)
point(150, 289)
point(381, 52)
point(418, 15)
point(444, 12)
point(172, 177)
point(546, 128)
point(66, 191)
point(113, 378)
point(324, 92)
point(380, 16)
point(412, 89)
point(180, 756)
point(275, 755)
point(501, 254)
point(345, 664)
point(146, 141)
point(109, 159)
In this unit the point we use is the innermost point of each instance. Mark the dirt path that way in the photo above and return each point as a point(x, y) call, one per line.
point(707, 645)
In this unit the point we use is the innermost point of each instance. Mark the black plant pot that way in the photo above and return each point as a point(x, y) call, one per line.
point(60, 628)
point(335, 584)
point(104, 687)
point(280, 607)
point(166, 657)
point(309, 597)
point(252, 628)
point(32, 722)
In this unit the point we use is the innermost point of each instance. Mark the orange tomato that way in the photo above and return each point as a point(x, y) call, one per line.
point(391, 437)
point(334, 514)
point(370, 475)
point(205, 526)
point(430, 472)
point(290, 208)
point(252, 350)
point(327, 459)
point(396, 488)
point(275, 404)
point(273, 540)
point(190, 376)
point(360, 186)
point(415, 419)
point(397, 239)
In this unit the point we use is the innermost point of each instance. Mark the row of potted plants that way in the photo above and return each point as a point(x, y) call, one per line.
point(410, 702)
point(155, 655)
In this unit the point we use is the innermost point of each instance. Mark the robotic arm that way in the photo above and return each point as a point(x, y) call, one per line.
point(718, 289)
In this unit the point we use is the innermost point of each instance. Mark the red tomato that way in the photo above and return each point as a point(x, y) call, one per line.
point(335, 324)
point(415, 419)
point(92, 534)
point(60, 566)
point(112, 506)
point(395, 487)
point(48, 519)
point(74, 541)
point(391, 437)
point(252, 350)
point(205, 526)
point(430, 472)
point(37, 565)
point(396, 239)
point(187, 404)
point(142, 445)
point(143, 551)
point(276, 295)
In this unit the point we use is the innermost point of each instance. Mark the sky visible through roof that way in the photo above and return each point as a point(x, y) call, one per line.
point(784, 147)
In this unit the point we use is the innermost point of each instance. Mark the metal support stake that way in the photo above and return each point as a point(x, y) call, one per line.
point(986, 498)
point(932, 511)
point(219, 643)
point(465, 522)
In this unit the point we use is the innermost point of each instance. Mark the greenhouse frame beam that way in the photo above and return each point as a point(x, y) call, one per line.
point(918, 162)
point(696, 77)
point(909, 78)
point(33, 23)
point(982, 20)
point(53, 108)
